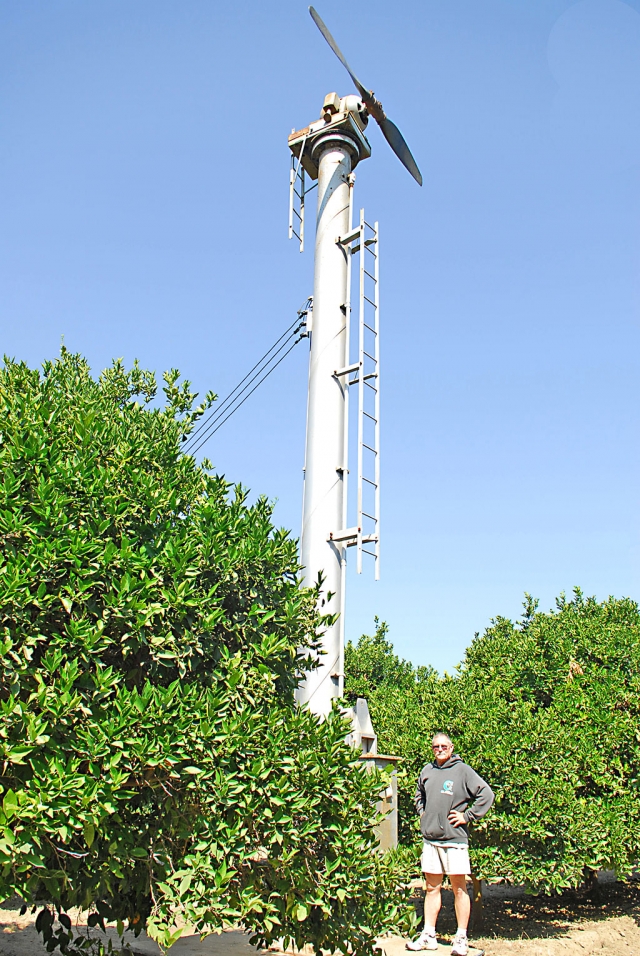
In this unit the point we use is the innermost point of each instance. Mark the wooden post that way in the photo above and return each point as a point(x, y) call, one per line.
point(477, 914)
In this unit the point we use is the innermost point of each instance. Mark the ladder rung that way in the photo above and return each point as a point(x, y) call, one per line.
point(369, 327)
point(368, 480)
point(364, 445)
point(370, 301)
point(369, 274)
point(347, 370)
point(369, 516)
point(372, 387)
point(366, 538)
point(350, 236)
point(348, 534)
point(372, 553)
point(369, 416)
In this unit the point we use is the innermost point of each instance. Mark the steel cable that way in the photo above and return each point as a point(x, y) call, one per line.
point(229, 401)
point(202, 439)
point(204, 427)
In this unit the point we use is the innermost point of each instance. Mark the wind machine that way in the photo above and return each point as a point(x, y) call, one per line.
point(344, 355)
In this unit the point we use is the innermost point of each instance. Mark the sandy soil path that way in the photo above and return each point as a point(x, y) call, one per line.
point(514, 925)
point(18, 937)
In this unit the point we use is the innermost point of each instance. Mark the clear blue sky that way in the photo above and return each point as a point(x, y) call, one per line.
point(144, 176)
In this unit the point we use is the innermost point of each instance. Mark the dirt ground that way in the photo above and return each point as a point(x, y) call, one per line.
point(605, 923)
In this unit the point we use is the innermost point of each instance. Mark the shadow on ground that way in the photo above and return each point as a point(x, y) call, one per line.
point(509, 913)
point(18, 937)
point(604, 923)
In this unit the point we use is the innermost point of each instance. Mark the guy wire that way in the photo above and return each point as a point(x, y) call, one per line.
point(203, 430)
point(205, 438)
point(219, 409)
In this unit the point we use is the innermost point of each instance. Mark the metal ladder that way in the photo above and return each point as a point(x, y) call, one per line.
point(368, 381)
point(298, 189)
point(365, 536)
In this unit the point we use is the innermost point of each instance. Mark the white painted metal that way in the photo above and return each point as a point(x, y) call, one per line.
point(298, 190)
point(360, 382)
point(366, 372)
point(368, 379)
point(377, 394)
point(345, 453)
point(365, 535)
point(325, 465)
point(327, 150)
point(307, 313)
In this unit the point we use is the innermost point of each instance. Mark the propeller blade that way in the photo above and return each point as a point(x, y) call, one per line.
point(390, 131)
point(317, 19)
point(397, 143)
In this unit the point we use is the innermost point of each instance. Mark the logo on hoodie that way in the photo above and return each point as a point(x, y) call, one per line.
point(447, 787)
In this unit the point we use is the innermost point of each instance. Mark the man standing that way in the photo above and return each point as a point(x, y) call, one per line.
point(445, 789)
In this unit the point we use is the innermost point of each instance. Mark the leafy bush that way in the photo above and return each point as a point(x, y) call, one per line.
point(548, 711)
point(153, 629)
point(372, 665)
point(403, 700)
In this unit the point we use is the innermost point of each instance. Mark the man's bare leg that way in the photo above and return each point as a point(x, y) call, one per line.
point(427, 938)
point(432, 898)
point(461, 900)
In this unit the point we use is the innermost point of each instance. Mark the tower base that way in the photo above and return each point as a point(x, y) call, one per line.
point(364, 738)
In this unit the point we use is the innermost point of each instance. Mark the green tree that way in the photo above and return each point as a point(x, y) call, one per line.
point(548, 710)
point(372, 664)
point(400, 697)
point(401, 694)
point(153, 630)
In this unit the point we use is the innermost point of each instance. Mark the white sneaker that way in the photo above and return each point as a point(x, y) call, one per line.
point(424, 941)
point(460, 946)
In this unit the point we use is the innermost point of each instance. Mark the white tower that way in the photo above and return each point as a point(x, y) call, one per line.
point(328, 151)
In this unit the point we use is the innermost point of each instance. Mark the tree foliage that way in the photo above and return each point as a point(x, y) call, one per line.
point(399, 695)
point(548, 710)
point(153, 629)
point(372, 665)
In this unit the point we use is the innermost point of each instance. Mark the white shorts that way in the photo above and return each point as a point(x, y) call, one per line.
point(452, 860)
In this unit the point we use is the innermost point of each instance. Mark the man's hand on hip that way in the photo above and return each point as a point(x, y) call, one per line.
point(456, 818)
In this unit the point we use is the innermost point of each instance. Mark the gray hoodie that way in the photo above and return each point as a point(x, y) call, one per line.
point(450, 787)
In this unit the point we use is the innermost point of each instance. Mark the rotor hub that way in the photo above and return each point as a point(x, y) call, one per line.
point(334, 104)
point(343, 120)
